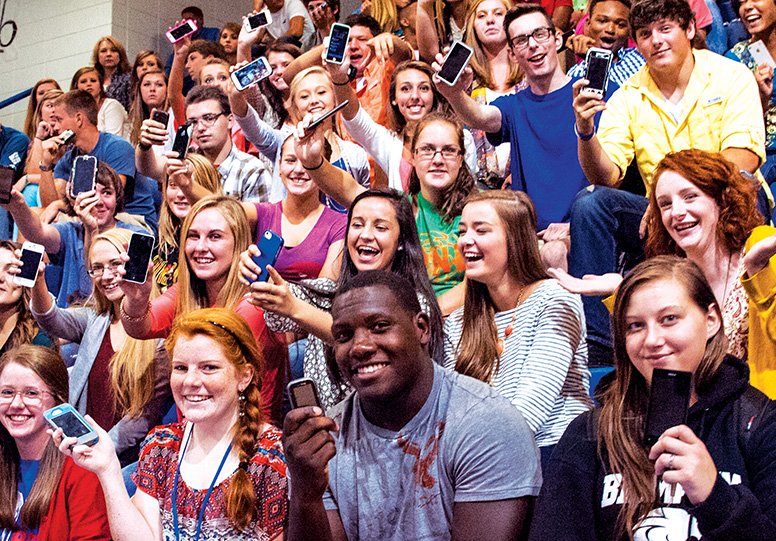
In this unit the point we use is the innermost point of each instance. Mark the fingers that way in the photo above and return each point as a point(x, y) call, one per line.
point(249, 270)
point(274, 275)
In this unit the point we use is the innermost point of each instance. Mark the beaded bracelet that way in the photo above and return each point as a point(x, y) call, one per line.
point(132, 319)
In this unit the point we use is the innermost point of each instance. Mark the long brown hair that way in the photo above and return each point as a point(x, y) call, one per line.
point(48, 366)
point(30, 126)
point(26, 327)
point(720, 179)
point(123, 65)
point(479, 61)
point(621, 422)
point(239, 346)
point(478, 354)
point(139, 111)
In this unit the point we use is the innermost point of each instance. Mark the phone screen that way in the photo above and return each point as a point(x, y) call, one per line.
point(7, 175)
point(71, 425)
point(258, 20)
point(84, 171)
point(338, 43)
point(597, 67)
point(669, 398)
point(182, 31)
point(253, 72)
point(302, 394)
point(454, 63)
point(140, 249)
point(30, 262)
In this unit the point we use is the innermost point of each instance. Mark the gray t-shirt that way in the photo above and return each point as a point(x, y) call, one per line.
point(466, 444)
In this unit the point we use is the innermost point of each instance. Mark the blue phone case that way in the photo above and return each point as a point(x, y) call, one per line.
point(67, 418)
point(269, 246)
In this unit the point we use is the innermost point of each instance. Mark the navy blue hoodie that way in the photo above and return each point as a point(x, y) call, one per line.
point(581, 498)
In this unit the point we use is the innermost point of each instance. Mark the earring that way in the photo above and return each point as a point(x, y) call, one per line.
point(241, 398)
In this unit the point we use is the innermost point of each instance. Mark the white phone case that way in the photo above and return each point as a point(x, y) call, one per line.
point(760, 54)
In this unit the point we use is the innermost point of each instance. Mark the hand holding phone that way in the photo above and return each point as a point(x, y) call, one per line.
point(140, 251)
point(269, 246)
point(251, 73)
point(83, 175)
point(177, 33)
point(338, 43)
point(454, 63)
point(32, 255)
point(597, 72)
point(303, 393)
point(71, 422)
point(257, 20)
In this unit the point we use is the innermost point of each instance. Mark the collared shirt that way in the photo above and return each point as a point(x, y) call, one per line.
point(373, 89)
point(244, 176)
point(720, 109)
point(627, 62)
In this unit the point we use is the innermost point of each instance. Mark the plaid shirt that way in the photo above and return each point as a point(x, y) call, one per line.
point(626, 63)
point(245, 177)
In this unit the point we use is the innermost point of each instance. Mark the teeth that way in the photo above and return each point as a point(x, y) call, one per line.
point(19, 417)
point(197, 398)
point(684, 227)
point(371, 368)
point(367, 251)
point(204, 260)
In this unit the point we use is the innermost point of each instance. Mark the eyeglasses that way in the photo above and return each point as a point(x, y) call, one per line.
point(97, 271)
point(206, 120)
point(540, 35)
point(427, 152)
point(30, 396)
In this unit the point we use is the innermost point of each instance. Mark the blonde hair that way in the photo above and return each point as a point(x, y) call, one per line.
point(479, 61)
point(192, 293)
point(132, 368)
point(123, 65)
point(386, 15)
point(294, 114)
point(33, 106)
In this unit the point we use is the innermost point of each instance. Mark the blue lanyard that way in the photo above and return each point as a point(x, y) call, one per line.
point(201, 517)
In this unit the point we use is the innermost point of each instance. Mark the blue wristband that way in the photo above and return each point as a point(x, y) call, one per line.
point(583, 136)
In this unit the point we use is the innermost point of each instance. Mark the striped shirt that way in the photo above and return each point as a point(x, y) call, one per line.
point(627, 62)
point(543, 369)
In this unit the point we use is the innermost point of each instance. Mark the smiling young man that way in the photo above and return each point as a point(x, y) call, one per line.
point(682, 98)
point(419, 452)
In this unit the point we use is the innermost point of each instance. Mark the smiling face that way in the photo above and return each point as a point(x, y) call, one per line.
point(360, 53)
point(10, 293)
point(278, 61)
point(176, 200)
point(373, 234)
point(209, 246)
point(24, 421)
point(608, 25)
point(666, 329)
point(689, 215)
point(105, 209)
point(437, 172)
point(105, 256)
point(90, 82)
point(205, 383)
point(482, 241)
point(215, 75)
point(314, 94)
point(153, 90)
point(108, 55)
point(664, 44)
point(294, 177)
point(414, 94)
point(489, 22)
point(538, 60)
point(377, 343)
point(757, 15)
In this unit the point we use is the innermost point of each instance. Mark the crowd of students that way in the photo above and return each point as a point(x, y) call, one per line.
point(460, 264)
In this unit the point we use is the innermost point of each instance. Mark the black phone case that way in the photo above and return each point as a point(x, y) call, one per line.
point(669, 399)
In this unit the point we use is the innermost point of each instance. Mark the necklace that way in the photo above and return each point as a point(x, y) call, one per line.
point(508, 331)
point(727, 282)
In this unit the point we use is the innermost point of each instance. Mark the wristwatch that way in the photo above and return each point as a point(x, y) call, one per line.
point(45, 168)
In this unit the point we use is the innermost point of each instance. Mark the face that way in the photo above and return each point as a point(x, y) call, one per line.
point(757, 15)
point(414, 94)
point(689, 215)
point(153, 90)
point(204, 382)
point(105, 257)
point(105, 209)
point(314, 95)
point(10, 293)
point(279, 61)
point(209, 138)
point(373, 234)
point(664, 44)
point(42, 89)
point(210, 246)
point(24, 421)
point(294, 177)
point(608, 25)
point(437, 172)
point(176, 200)
point(228, 41)
point(482, 241)
point(489, 22)
point(666, 329)
point(62, 120)
point(360, 54)
point(108, 55)
point(146, 64)
point(47, 111)
point(538, 59)
point(377, 343)
point(215, 75)
point(194, 63)
point(90, 82)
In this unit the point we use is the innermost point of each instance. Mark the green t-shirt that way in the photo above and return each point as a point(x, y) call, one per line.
point(439, 240)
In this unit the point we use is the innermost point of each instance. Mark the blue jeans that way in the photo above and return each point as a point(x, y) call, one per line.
point(604, 224)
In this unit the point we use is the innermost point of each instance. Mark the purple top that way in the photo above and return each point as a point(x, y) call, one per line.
point(306, 259)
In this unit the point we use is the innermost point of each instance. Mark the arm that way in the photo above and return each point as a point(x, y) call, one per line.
point(742, 133)
point(331, 266)
point(30, 225)
point(387, 46)
point(258, 132)
point(760, 279)
point(504, 520)
point(307, 60)
point(482, 117)
point(595, 162)
point(146, 161)
point(561, 17)
point(140, 318)
point(452, 299)
point(175, 84)
point(47, 152)
point(295, 27)
point(743, 158)
point(428, 40)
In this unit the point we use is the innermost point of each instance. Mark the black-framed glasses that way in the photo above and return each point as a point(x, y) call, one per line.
point(427, 152)
point(97, 271)
point(207, 120)
point(30, 395)
point(540, 35)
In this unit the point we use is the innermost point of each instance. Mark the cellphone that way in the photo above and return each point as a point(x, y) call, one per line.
point(760, 53)
point(186, 28)
point(32, 255)
point(564, 40)
point(338, 43)
point(455, 62)
point(7, 176)
point(669, 398)
point(163, 117)
point(597, 72)
point(83, 175)
point(181, 142)
point(252, 73)
point(302, 393)
point(67, 136)
point(72, 424)
point(260, 19)
point(270, 245)
point(317, 122)
point(140, 250)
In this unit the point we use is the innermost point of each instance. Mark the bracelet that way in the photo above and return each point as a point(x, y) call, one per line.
point(316, 167)
point(45, 168)
point(144, 147)
point(133, 319)
point(583, 136)
point(335, 83)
